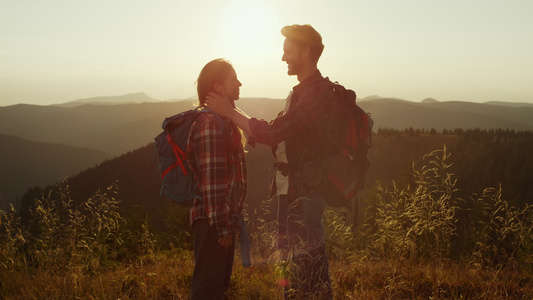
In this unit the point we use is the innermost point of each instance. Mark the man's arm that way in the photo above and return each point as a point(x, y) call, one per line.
point(242, 120)
point(223, 107)
point(310, 108)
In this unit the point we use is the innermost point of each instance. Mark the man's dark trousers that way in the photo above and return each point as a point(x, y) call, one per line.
point(301, 239)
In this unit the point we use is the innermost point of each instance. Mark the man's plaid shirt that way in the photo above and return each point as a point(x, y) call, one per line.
point(309, 128)
point(217, 159)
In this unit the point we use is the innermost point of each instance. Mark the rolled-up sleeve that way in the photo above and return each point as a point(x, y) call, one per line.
point(306, 111)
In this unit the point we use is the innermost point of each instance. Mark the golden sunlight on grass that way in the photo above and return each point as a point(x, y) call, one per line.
point(405, 248)
point(167, 275)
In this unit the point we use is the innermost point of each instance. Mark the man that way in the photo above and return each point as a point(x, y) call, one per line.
point(215, 154)
point(301, 136)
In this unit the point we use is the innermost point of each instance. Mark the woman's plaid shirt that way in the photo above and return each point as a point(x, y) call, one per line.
point(217, 159)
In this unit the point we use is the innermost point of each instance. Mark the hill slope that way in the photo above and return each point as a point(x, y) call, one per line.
point(116, 129)
point(480, 159)
point(24, 164)
point(139, 182)
point(124, 99)
point(399, 114)
point(119, 128)
point(111, 128)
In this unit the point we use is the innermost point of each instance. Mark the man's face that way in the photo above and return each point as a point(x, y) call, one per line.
point(230, 87)
point(293, 56)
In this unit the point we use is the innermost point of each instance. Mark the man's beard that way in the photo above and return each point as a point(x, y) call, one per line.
point(293, 68)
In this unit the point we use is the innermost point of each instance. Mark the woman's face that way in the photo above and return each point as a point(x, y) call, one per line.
point(230, 86)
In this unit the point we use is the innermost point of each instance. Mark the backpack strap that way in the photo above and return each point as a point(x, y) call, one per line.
point(180, 153)
point(180, 157)
point(203, 109)
point(206, 109)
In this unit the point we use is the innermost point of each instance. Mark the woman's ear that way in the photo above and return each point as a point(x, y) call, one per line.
point(218, 88)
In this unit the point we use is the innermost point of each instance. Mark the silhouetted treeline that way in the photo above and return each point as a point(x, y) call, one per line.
point(483, 158)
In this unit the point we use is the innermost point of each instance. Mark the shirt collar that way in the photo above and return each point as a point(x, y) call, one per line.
point(308, 81)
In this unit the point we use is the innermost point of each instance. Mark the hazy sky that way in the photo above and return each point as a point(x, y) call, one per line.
point(56, 51)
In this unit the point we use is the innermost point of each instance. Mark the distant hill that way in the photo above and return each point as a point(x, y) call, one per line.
point(111, 100)
point(510, 104)
point(25, 164)
point(400, 114)
point(114, 129)
point(429, 100)
point(110, 129)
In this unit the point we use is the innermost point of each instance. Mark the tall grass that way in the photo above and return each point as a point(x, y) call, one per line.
point(417, 221)
point(60, 235)
point(504, 233)
point(418, 241)
point(420, 222)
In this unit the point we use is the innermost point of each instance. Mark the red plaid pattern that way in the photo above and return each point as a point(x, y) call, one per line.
point(218, 162)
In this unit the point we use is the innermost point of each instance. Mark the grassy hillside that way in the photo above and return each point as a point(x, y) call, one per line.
point(416, 239)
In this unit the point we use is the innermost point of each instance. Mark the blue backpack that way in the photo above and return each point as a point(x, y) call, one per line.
point(178, 179)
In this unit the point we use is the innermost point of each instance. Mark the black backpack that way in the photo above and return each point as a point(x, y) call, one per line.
point(346, 169)
point(178, 180)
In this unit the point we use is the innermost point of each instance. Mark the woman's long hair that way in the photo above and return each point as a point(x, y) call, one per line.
point(215, 71)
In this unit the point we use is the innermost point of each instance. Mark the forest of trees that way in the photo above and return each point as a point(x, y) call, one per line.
point(483, 158)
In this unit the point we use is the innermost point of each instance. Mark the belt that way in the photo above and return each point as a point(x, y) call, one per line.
point(282, 167)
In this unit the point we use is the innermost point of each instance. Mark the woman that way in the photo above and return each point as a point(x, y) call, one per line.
point(216, 156)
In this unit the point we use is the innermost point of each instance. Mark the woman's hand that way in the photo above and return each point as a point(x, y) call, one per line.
point(226, 241)
point(219, 104)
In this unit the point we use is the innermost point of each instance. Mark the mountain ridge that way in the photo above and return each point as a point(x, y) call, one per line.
point(138, 97)
point(116, 129)
point(105, 127)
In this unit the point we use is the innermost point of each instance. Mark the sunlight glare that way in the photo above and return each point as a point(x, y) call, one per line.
point(248, 29)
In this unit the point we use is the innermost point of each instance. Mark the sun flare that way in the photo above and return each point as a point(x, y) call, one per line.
point(248, 28)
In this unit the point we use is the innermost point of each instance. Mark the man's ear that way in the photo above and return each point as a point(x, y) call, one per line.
point(307, 52)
